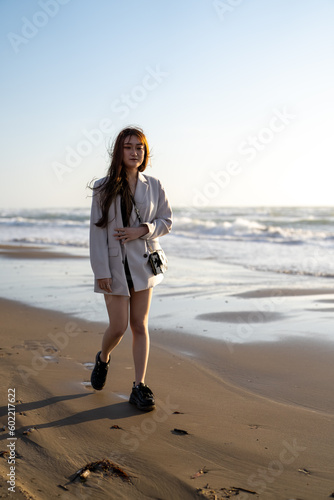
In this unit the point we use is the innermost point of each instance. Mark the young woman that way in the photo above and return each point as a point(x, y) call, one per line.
point(120, 244)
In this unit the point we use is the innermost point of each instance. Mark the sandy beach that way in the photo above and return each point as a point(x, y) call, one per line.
point(244, 420)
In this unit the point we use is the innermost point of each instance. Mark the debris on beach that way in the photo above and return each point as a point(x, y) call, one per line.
point(105, 466)
point(29, 431)
point(199, 473)
point(63, 487)
point(304, 471)
point(179, 431)
point(115, 426)
point(223, 493)
point(237, 489)
point(84, 475)
point(3, 428)
point(208, 493)
point(6, 453)
point(178, 413)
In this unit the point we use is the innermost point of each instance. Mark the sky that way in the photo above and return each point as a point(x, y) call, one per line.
point(235, 98)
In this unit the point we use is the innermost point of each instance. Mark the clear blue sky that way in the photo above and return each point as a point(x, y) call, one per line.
point(235, 97)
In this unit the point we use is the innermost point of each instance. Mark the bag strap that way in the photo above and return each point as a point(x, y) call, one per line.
point(140, 220)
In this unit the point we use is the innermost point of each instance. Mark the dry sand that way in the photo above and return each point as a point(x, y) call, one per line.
point(259, 417)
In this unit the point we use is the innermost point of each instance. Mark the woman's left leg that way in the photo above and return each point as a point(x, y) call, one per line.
point(139, 311)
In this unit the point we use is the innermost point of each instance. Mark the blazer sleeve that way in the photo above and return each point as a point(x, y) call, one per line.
point(98, 241)
point(162, 222)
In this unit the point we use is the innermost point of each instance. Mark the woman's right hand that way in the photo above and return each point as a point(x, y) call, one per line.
point(105, 284)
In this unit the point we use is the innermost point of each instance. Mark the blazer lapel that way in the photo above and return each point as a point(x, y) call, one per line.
point(141, 188)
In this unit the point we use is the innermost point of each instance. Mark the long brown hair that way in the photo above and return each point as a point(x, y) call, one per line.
point(116, 181)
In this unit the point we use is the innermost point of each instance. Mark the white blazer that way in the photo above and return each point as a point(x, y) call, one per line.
point(107, 254)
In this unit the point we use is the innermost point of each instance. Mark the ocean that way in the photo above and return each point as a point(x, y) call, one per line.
point(291, 240)
point(215, 255)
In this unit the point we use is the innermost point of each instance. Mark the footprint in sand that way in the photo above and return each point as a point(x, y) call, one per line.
point(87, 385)
point(89, 365)
point(49, 351)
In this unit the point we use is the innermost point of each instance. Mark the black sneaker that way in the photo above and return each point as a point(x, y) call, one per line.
point(99, 373)
point(142, 397)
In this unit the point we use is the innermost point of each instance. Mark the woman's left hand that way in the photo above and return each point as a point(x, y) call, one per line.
point(125, 234)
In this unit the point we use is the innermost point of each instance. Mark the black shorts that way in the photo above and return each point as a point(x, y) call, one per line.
point(128, 274)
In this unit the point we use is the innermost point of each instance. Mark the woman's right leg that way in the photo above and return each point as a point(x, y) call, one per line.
point(118, 312)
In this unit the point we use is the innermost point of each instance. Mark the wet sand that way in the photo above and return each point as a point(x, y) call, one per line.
point(33, 252)
point(258, 416)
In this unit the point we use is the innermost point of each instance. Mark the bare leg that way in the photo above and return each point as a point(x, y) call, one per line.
point(117, 307)
point(139, 310)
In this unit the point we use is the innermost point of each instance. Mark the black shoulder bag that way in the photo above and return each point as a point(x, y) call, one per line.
point(157, 258)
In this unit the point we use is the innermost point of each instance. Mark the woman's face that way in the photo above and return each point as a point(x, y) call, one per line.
point(133, 153)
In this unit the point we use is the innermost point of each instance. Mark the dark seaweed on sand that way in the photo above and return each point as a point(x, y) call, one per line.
point(180, 431)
